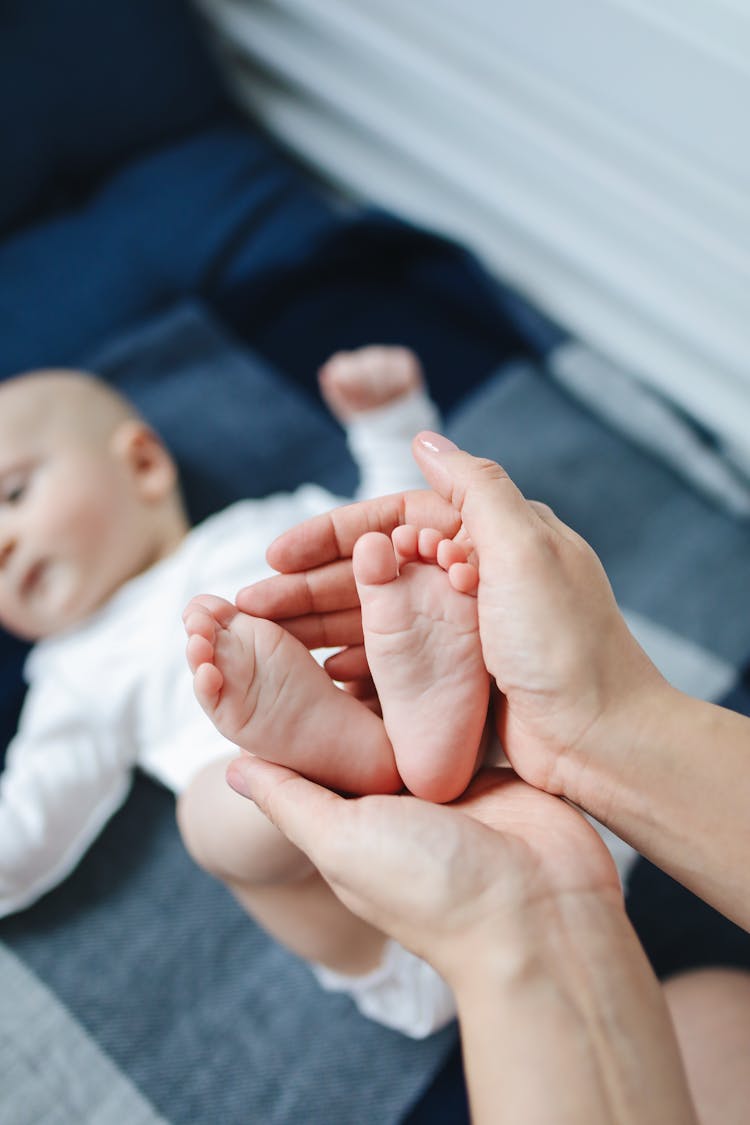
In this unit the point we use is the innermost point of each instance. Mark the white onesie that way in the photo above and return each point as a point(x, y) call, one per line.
point(115, 692)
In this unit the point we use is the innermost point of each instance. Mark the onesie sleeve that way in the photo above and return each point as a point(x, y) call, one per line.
point(380, 443)
point(63, 779)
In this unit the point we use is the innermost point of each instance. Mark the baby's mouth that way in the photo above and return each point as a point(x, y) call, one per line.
point(33, 578)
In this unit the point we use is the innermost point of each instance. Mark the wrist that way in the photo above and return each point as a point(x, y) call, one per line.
point(564, 1020)
point(676, 788)
point(606, 762)
point(543, 940)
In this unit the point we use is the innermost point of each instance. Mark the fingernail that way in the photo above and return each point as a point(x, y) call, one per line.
point(435, 443)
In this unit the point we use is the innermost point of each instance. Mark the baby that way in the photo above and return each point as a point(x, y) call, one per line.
point(264, 691)
point(97, 560)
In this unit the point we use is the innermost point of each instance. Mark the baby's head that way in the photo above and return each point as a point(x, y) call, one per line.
point(89, 498)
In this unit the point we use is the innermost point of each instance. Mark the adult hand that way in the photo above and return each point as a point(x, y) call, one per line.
point(570, 675)
point(584, 712)
point(513, 898)
point(315, 595)
point(454, 883)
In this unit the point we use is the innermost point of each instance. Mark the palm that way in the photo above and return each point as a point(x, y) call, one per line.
point(558, 847)
point(436, 876)
point(444, 871)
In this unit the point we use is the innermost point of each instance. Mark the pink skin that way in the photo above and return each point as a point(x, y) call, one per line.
point(79, 516)
point(421, 638)
point(353, 382)
point(263, 690)
point(422, 642)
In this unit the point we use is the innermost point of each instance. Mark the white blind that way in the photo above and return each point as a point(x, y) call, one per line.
point(595, 153)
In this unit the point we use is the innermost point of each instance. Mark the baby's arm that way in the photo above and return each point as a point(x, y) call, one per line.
point(60, 785)
point(380, 443)
point(378, 394)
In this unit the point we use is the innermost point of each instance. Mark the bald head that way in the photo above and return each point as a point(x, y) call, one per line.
point(73, 401)
point(89, 498)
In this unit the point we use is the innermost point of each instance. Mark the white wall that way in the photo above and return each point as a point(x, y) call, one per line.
point(596, 153)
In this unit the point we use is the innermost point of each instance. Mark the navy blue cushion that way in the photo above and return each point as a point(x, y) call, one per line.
point(152, 234)
point(369, 277)
point(12, 655)
point(225, 216)
point(84, 85)
point(236, 427)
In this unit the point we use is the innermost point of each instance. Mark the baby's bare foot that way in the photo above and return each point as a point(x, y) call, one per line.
point(354, 382)
point(422, 642)
point(263, 690)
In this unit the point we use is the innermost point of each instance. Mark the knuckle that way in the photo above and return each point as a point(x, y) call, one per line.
point(485, 468)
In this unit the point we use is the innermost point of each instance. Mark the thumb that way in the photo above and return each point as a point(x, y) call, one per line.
point(492, 508)
point(299, 808)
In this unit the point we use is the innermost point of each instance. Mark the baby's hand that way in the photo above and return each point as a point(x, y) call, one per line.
point(352, 383)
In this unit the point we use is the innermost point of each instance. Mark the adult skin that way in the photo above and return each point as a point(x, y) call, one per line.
point(514, 899)
point(583, 713)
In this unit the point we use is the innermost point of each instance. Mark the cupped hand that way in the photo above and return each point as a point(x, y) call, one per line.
point(447, 881)
point(571, 677)
point(572, 681)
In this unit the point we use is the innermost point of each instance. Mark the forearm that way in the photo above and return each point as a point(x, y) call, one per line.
point(57, 791)
point(39, 847)
point(568, 1024)
point(675, 783)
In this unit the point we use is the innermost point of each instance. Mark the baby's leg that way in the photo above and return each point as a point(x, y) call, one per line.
point(276, 884)
point(230, 837)
point(422, 643)
point(263, 690)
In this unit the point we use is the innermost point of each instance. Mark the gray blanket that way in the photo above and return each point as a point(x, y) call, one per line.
point(139, 992)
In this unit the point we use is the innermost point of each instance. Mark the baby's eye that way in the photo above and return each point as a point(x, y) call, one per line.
point(13, 488)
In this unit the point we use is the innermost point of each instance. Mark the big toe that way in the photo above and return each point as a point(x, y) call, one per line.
point(374, 560)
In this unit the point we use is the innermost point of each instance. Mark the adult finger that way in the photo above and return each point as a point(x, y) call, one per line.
point(332, 535)
point(327, 630)
point(299, 808)
point(364, 690)
point(323, 590)
point(490, 504)
point(348, 665)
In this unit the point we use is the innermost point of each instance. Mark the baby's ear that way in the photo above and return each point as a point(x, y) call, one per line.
point(144, 454)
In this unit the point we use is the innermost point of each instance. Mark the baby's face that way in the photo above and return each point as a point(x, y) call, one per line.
point(71, 526)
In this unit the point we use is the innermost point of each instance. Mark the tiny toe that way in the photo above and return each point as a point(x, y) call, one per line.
point(404, 539)
point(194, 605)
point(218, 608)
point(199, 651)
point(464, 577)
point(200, 623)
point(207, 683)
point(450, 552)
point(374, 560)
point(429, 540)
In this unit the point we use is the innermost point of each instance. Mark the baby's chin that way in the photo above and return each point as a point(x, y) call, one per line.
point(59, 607)
point(28, 631)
